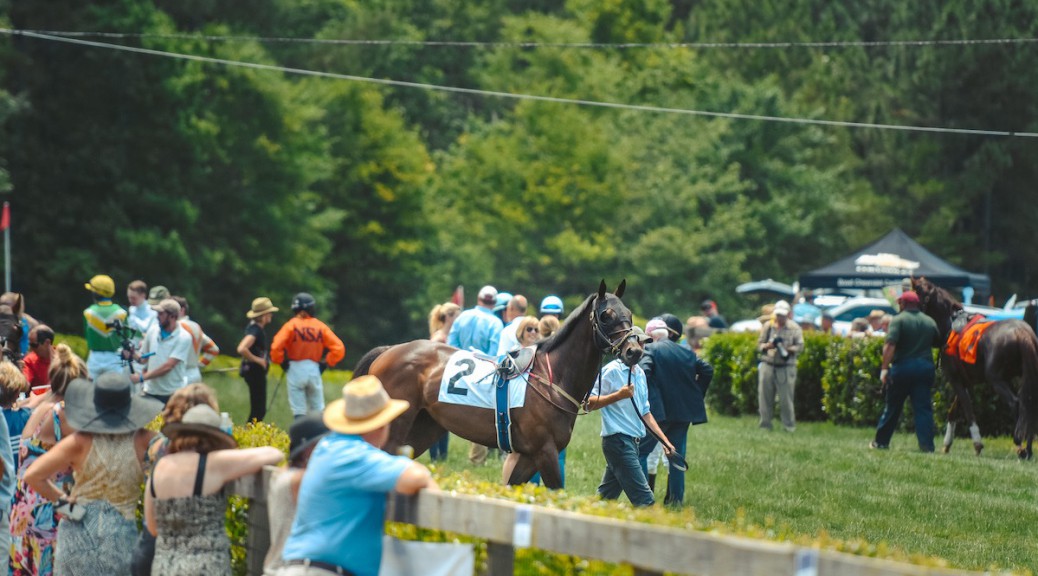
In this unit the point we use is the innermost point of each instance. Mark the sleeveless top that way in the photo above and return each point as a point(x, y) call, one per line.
point(111, 472)
point(191, 536)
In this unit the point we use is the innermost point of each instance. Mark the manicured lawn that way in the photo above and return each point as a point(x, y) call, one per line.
point(820, 483)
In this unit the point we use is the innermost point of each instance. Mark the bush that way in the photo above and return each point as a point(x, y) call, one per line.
point(734, 358)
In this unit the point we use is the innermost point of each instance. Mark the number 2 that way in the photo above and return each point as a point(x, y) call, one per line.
point(470, 367)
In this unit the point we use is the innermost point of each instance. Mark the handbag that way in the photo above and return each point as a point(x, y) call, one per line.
point(401, 557)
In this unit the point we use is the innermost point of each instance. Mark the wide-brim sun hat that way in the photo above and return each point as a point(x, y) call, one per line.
point(640, 334)
point(108, 405)
point(201, 420)
point(365, 406)
point(157, 294)
point(261, 306)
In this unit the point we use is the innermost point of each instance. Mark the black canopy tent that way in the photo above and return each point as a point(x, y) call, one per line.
point(888, 260)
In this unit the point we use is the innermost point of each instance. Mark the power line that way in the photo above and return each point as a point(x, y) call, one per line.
point(513, 96)
point(594, 45)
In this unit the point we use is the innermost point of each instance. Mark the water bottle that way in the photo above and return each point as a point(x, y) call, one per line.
point(225, 423)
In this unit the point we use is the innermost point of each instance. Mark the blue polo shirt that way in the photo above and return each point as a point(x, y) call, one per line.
point(620, 417)
point(476, 328)
point(342, 504)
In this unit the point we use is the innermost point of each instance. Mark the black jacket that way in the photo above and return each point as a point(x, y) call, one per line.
point(678, 380)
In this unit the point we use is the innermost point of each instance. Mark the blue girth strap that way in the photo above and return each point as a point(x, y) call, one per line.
point(504, 429)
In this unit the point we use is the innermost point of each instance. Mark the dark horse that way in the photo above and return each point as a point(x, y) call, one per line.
point(562, 374)
point(1007, 350)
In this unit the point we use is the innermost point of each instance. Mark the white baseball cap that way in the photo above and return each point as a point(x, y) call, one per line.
point(487, 295)
point(782, 308)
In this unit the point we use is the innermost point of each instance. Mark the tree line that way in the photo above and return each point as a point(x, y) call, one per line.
point(224, 183)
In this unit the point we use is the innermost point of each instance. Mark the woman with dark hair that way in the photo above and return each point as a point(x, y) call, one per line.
point(184, 503)
point(99, 517)
point(34, 526)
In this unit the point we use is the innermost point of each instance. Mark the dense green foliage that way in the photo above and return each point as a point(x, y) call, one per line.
point(224, 182)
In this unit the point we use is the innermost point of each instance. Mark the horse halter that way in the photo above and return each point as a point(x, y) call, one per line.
point(605, 344)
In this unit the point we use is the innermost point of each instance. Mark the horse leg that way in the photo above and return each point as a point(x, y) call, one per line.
point(949, 426)
point(547, 461)
point(518, 469)
point(963, 396)
point(425, 432)
point(1003, 389)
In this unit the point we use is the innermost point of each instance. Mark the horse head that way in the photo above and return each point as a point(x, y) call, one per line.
point(612, 326)
point(937, 303)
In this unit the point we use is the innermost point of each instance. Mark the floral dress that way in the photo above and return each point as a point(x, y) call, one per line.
point(34, 525)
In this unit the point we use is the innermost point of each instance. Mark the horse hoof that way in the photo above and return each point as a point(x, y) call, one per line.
point(978, 448)
point(945, 449)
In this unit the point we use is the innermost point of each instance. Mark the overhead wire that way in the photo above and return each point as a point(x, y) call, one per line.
point(518, 96)
point(531, 44)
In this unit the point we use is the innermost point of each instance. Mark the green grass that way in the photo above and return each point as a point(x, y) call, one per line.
point(817, 484)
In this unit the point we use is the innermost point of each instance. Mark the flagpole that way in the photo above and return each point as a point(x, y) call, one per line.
point(7, 247)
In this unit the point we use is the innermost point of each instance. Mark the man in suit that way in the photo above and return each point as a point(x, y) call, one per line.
point(681, 378)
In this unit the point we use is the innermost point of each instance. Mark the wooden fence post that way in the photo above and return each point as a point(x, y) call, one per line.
point(500, 559)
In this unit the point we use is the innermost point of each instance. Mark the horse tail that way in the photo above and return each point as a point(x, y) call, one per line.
point(1028, 397)
point(365, 362)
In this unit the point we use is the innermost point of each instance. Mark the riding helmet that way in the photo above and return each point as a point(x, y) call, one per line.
point(305, 302)
point(551, 305)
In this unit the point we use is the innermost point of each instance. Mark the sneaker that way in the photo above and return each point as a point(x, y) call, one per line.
point(874, 446)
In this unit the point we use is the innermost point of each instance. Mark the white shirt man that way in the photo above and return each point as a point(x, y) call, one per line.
point(169, 346)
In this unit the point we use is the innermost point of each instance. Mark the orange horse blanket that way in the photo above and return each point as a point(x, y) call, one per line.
point(963, 345)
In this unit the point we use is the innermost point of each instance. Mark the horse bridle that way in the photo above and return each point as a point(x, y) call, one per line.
point(604, 344)
point(602, 341)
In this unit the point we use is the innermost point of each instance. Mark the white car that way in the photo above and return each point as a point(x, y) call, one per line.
point(859, 307)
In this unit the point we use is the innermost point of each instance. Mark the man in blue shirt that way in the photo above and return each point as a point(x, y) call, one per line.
point(342, 499)
point(478, 329)
point(623, 426)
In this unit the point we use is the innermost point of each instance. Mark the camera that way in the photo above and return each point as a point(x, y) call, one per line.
point(125, 333)
point(777, 342)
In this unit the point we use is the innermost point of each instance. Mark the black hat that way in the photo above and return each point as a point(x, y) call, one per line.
point(108, 405)
point(674, 326)
point(304, 432)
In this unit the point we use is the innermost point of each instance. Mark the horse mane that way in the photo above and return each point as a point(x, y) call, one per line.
point(569, 326)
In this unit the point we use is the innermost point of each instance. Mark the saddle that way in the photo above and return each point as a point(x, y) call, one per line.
point(516, 363)
point(967, 331)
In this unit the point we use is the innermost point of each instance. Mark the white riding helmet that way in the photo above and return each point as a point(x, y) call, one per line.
point(551, 305)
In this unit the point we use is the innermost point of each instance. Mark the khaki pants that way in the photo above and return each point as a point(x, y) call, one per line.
point(781, 379)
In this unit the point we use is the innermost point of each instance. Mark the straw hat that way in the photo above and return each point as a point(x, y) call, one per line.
point(365, 406)
point(108, 405)
point(200, 419)
point(261, 306)
point(157, 294)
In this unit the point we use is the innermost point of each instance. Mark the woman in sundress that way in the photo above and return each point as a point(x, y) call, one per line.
point(34, 526)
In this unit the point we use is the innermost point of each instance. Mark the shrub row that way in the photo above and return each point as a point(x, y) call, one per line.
point(837, 380)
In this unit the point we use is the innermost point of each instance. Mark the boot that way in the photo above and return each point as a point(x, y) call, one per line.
point(652, 482)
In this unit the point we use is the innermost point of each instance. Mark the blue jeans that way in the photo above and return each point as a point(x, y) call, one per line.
point(911, 378)
point(622, 473)
point(677, 433)
point(438, 451)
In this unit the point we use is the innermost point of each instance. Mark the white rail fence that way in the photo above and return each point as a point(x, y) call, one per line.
point(649, 549)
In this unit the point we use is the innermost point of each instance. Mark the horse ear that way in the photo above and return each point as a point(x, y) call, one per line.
point(620, 289)
point(602, 289)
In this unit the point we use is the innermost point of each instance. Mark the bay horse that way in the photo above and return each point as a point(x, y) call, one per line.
point(1006, 351)
point(562, 374)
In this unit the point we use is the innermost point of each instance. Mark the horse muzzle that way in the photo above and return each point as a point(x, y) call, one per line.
point(631, 354)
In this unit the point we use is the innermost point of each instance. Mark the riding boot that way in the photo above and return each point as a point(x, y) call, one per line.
point(652, 482)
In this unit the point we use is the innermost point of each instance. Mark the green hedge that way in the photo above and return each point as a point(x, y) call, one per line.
point(837, 380)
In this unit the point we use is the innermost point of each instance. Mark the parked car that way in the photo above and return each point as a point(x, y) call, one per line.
point(859, 307)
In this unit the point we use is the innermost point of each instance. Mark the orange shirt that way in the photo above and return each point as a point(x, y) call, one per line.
point(306, 338)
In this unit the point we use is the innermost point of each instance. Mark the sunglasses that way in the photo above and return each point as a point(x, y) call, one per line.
point(531, 328)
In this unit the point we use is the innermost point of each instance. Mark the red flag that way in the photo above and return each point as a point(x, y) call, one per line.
point(458, 297)
point(5, 220)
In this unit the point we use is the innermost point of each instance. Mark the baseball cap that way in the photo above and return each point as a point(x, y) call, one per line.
point(157, 294)
point(782, 308)
point(487, 295)
point(169, 306)
point(909, 297)
point(501, 301)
